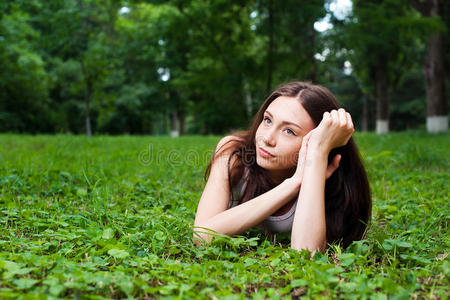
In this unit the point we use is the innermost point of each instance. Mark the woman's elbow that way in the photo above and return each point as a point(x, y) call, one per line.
point(312, 246)
point(313, 250)
point(201, 236)
point(199, 239)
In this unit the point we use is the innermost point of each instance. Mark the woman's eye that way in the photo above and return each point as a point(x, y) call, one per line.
point(290, 131)
point(267, 120)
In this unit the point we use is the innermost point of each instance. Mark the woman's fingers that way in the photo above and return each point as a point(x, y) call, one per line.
point(304, 148)
point(349, 119)
point(342, 117)
point(335, 129)
point(326, 120)
point(307, 136)
point(302, 157)
point(335, 116)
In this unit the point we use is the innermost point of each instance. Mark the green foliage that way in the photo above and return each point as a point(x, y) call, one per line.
point(111, 217)
point(383, 33)
point(408, 101)
point(23, 79)
point(211, 63)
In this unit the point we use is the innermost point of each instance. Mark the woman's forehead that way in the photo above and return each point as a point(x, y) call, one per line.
point(288, 109)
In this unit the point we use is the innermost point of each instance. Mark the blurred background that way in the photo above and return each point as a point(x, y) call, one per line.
point(204, 67)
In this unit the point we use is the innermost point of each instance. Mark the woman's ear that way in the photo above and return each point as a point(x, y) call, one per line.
point(333, 166)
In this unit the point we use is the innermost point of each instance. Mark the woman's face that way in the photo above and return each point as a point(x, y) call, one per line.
point(279, 136)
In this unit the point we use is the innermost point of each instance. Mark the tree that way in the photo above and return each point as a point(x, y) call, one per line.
point(77, 31)
point(434, 67)
point(381, 35)
point(24, 105)
point(218, 62)
point(140, 97)
point(292, 39)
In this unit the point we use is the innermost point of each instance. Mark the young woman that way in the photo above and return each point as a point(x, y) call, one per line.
point(297, 169)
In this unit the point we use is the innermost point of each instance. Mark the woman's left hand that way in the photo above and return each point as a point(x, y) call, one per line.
point(335, 130)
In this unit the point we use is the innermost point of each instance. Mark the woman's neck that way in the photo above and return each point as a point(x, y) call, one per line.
point(278, 176)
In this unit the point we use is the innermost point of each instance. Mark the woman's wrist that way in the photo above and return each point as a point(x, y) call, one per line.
point(317, 152)
point(293, 183)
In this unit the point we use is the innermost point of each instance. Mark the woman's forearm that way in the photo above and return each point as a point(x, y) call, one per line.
point(249, 214)
point(309, 227)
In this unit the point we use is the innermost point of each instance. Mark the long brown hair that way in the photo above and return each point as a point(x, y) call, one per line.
point(348, 203)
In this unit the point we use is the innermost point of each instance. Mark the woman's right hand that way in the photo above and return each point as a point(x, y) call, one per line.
point(302, 161)
point(298, 175)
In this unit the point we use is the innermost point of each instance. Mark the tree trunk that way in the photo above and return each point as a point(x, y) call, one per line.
point(248, 103)
point(248, 99)
point(434, 73)
point(437, 120)
point(182, 123)
point(382, 97)
point(174, 125)
point(88, 120)
point(271, 47)
point(164, 128)
point(365, 115)
point(87, 100)
point(313, 71)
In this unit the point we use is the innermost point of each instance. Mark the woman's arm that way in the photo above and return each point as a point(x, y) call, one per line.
point(212, 212)
point(249, 214)
point(309, 227)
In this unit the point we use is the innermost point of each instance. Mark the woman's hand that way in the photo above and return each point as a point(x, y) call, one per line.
point(309, 227)
point(335, 130)
point(298, 176)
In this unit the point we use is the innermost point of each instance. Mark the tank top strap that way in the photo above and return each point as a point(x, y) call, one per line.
point(238, 190)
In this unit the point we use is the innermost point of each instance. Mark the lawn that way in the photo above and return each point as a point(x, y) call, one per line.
point(111, 217)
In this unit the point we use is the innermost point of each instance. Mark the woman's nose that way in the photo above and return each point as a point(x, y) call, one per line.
point(269, 138)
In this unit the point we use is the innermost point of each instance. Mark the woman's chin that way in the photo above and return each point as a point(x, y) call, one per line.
point(264, 163)
point(274, 164)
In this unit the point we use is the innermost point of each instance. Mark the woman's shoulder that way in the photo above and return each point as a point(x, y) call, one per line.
point(224, 151)
point(228, 143)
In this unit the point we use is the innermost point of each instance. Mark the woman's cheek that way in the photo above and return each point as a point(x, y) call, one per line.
point(293, 159)
point(288, 160)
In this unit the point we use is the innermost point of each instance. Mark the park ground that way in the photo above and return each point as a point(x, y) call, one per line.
point(111, 217)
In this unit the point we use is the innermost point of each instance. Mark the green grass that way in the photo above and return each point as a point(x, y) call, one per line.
point(111, 217)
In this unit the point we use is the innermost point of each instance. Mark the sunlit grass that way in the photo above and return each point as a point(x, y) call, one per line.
point(111, 217)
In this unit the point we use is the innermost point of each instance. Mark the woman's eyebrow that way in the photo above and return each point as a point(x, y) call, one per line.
point(284, 122)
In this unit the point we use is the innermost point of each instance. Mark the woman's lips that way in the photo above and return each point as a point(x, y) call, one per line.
point(265, 154)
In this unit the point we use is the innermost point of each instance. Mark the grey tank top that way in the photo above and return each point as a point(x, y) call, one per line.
point(274, 224)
